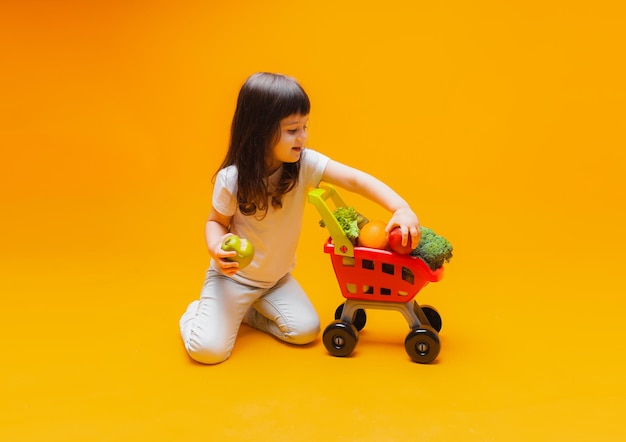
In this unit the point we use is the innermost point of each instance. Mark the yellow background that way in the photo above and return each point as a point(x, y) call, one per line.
point(501, 122)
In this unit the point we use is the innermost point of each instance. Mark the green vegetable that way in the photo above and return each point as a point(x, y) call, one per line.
point(350, 221)
point(433, 249)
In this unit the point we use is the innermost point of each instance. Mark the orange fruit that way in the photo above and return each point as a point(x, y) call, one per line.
point(373, 235)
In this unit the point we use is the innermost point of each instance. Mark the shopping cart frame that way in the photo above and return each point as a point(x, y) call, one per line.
point(375, 279)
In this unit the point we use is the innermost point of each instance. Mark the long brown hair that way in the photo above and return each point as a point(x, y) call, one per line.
point(264, 100)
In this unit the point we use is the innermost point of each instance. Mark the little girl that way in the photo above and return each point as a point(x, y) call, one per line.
point(259, 194)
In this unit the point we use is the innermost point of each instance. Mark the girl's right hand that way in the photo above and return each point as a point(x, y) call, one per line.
point(220, 255)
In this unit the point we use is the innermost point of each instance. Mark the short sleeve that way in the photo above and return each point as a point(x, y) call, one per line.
point(225, 190)
point(313, 166)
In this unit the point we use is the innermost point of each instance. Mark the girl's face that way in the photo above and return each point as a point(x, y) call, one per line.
point(293, 136)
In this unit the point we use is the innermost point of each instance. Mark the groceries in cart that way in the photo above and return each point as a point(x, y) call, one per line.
point(432, 248)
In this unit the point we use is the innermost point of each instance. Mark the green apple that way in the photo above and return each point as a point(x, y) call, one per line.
point(243, 247)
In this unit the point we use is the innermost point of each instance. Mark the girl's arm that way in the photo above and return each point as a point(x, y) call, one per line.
point(216, 231)
point(372, 188)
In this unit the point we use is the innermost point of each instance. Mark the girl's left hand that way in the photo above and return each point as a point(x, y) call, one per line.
point(409, 225)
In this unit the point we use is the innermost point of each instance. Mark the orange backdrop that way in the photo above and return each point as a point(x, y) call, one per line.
point(501, 122)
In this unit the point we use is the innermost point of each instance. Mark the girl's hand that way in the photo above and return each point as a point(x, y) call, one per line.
point(409, 225)
point(220, 255)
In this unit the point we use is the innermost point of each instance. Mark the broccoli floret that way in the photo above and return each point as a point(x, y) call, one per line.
point(350, 221)
point(433, 249)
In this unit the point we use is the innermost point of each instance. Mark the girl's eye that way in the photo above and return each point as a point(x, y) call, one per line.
point(295, 131)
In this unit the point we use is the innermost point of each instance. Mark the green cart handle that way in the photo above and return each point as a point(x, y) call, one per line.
point(318, 197)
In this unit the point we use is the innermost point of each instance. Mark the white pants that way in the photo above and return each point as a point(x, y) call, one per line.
point(210, 325)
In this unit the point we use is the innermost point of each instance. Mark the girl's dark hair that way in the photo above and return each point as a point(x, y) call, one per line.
point(264, 100)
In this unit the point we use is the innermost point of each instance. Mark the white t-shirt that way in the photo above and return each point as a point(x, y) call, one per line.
point(276, 236)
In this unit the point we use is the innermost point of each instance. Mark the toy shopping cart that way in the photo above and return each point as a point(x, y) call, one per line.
point(378, 279)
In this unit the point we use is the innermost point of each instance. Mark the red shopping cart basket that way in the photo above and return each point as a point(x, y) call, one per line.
point(380, 275)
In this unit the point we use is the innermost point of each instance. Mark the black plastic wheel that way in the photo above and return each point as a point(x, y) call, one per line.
point(422, 344)
point(433, 317)
point(359, 319)
point(340, 338)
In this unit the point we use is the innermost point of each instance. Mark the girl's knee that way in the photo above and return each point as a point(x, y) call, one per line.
point(203, 347)
point(206, 354)
point(204, 341)
point(306, 332)
point(207, 357)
